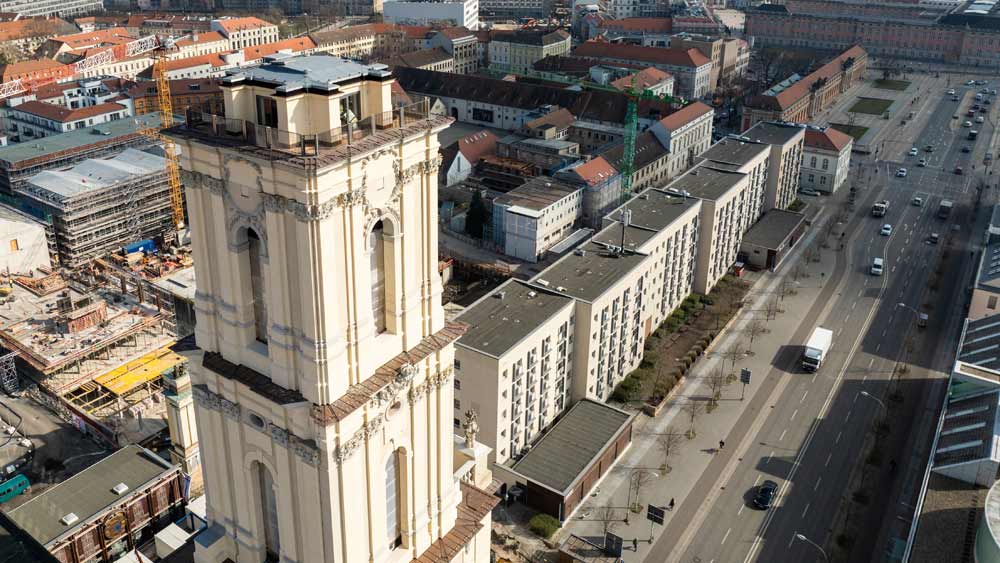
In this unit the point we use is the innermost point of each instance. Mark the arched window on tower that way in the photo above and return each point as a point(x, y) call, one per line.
point(257, 287)
point(377, 257)
point(392, 505)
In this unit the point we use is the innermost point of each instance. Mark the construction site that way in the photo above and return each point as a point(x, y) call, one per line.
point(94, 351)
point(97, 205)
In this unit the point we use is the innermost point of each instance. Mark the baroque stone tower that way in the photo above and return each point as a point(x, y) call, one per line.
point(324, 395)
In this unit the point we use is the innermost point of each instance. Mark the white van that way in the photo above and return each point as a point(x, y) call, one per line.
point(876, 269)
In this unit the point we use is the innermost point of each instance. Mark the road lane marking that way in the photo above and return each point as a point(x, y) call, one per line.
point(758, 477)
point(782, 434)
point(854, 305)
point(725, 537)
point(878, 347)
point(740, 511)
point(865, 378)
point(855, 398)
point(795, 412)
point(806, 509)
point(804, 396)
point(818, 480)
point(848, 417)
point(870, 362)
point(837, 441)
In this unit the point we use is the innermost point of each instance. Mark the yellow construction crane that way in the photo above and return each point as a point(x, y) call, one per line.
point(166, 109)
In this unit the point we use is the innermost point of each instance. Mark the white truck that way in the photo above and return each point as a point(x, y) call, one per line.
point(880, 207)
point(816, 348)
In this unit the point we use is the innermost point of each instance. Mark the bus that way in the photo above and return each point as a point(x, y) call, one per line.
point(13, 487)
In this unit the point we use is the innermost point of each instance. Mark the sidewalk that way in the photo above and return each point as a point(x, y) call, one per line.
point(691, 458)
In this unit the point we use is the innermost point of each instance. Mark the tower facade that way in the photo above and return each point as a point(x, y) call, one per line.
point(324, 395)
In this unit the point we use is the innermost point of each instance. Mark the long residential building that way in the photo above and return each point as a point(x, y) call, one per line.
point(61, 8)
point(797, 99)
point(577, 328)
point(969, 34)
point(786, 142)
point(517, 51)
point(427, 12)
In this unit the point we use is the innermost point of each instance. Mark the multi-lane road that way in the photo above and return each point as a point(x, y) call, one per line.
point(807, 431)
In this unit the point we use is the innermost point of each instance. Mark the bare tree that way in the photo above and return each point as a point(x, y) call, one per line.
point(772, 308)
point(733, 353)
point(799, 272)
point(716, 383)
point(693, 409)
point(785, 288)
point(609, 517)
point(766, 65)
point(754, 328)
point(641, 478)
point(668, 442)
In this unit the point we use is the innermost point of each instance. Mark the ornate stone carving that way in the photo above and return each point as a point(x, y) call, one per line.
point(230, 409)
point(205, 398)
point(278, 434)
point(344, 451)
point(471, 427)
point(274, 203)
point(373, 426)
point(352, 197)
point(306, 450)
point(388, 394)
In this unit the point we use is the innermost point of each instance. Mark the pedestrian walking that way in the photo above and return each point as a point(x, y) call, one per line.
point(671, 505)
point(635, 544)
point(722, 444)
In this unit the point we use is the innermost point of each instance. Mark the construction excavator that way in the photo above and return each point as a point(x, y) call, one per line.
point(160, 49)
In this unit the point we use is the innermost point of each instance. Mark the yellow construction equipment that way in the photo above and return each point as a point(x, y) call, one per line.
point(166, 107)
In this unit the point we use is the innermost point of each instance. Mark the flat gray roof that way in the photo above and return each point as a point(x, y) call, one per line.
point(75, 139)
point(537, 193)
point(289, 73)
point(592, 268)
point(654, 209)
point(180, 283)
point(773, 133)
point(707, 182)
point(12, 220)
point(94, 174)
point(773, 228)
point(734, 151)
point(88, 492)
point(498, 324)
point(564, 453)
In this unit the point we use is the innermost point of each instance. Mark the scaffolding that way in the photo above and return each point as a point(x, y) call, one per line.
point(8, 373)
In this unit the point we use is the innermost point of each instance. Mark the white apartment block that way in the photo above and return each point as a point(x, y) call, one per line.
point(732, 201)
point(461, 13)
point(826, 159)
point(513, 365)
point(61, 8)
point(537, 215)
point(246, 32)
point(786, 141)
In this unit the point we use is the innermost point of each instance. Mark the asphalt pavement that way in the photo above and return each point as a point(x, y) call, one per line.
point(809, 435)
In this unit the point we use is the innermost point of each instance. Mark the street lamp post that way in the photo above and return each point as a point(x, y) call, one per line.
point(874, 398)
point(822, 552)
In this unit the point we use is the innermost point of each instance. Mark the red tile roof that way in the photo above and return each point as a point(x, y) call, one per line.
point(456, 32)
point(477, 145)
point(665, 25)
point(295, 44)
point(829, 139)
point(33, 27)
point(560, 118)
point(113, 36)
point(200, 38)
point(685, 115)
point(656, 55)
point(26, 69)
point(416, 31)
point(243, 24)
point(641, 80)
point(792, 94)
point(214, 59)
point(65, 115)
point(595, 171)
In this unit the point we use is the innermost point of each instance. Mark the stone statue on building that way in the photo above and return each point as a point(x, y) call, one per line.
point(471, 427)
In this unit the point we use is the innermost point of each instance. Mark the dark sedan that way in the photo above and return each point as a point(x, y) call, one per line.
point(765, 495)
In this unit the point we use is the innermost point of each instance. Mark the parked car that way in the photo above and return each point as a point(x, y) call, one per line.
point(929, 148)
point(914, 151)
point(922, 163)
point(959, 171)
point(967, 124)
point(934, 238)
point(918, 201)
point(951, 91)
point(966, 149)
point(901, 173)
point(808, 191)
point(886, 230)
point(765, 495)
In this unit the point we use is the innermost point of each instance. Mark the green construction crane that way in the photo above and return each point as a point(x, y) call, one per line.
point(631, 125)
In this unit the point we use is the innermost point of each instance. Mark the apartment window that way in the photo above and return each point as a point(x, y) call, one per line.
point(458, 404)
point(458, 385)
point(812, 162)
point(826, 163)
point(991, 303)
point(267, 111)
point(456, 422)
point(458, 365)
point(257, 287)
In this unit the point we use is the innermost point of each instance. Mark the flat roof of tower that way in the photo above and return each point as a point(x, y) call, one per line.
point(289, 73)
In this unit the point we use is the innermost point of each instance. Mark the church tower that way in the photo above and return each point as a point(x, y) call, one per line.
point(324, 395)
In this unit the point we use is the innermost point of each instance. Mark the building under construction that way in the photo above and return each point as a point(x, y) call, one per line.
point(96, 354)
point(98, 206)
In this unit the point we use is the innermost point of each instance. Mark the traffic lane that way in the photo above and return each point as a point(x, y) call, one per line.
point(775, 447)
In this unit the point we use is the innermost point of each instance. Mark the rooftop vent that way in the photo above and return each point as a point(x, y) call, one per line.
point(543, 283)
point(69, 519)
point(532, 294)
point(500, 294)
point(120, 489)
point(580, 252)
